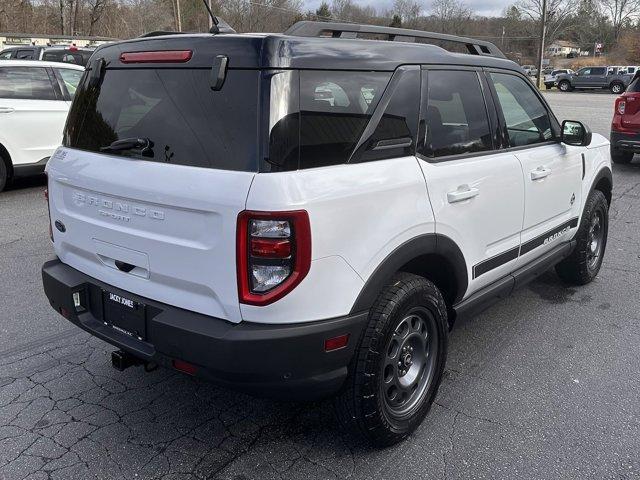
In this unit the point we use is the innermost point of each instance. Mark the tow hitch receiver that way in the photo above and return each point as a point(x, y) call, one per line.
point(121, 360)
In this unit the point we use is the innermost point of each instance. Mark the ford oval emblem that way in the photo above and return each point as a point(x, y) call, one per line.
point(60, 226)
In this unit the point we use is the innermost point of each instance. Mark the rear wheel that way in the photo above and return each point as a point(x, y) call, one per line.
point(621, 156)
point(616, 88)
point(582, 266)
point(4, 175)
point(564, 86)
point(398, 366)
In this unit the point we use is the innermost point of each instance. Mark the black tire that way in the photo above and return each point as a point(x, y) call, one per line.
point(621, 156)
point(564, 86)
point(409, 313)
point(583, 265)
point(4, 175)
point(616, 88)
point(548, 86)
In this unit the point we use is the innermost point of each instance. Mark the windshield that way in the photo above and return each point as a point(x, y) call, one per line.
point(183, 119)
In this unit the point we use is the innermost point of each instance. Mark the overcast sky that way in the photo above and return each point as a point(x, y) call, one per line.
point(480, 7)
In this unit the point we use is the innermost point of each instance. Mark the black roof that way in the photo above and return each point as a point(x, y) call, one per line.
point(300, 49)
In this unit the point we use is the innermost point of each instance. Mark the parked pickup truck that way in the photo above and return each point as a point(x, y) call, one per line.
point(594, 77)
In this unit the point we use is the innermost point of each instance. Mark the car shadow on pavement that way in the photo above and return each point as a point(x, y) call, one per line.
point(27, 182)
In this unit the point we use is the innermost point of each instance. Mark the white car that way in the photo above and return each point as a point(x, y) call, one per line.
point(306, 214)
point(34, 102)
point(551, 78)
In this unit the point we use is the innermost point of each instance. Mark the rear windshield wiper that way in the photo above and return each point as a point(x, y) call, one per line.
point(142, 144)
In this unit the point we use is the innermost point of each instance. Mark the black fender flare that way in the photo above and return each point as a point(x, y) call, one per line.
point(605, 172)
point(431, 243)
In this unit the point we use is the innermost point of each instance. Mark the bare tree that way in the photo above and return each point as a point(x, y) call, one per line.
point(558, 13)
point(451, 15)
point(408, 10)
point(620, 12)
point(96, 9)
point(347, 10)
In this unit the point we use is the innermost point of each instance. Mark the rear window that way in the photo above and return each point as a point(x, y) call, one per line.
point(634, 86)
point(185, 121)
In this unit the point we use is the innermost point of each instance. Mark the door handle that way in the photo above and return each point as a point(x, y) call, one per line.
point(540, 173)
point(7, 110)
point(464, 192)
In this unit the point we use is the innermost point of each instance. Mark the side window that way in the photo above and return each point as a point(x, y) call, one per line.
point(456, 116)
point(54, 56)
point(30, 83)
point(70, 79)
point(602, 71)
point(24, 55)
point(5, 55)
point(316, 118)
point(525, 116)
point(584, 71)
point(394, 135)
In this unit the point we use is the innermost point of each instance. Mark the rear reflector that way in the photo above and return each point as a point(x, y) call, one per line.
point(162, 56)
point(270, 248)
point(185, 367)
point(336, 343)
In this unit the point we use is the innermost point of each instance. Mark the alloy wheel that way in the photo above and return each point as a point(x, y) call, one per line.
point(595, 240)
point(410, 362)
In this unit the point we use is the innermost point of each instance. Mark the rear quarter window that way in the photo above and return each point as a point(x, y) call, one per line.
point(317, 117)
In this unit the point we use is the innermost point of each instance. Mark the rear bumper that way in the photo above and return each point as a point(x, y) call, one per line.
point(281, 361)
point(626, 141)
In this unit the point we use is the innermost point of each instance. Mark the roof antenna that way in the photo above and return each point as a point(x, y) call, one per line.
point(218, 25)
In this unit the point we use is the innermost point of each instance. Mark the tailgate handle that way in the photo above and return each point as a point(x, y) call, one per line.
point(123, 266)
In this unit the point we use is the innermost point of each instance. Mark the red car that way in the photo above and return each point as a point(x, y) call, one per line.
point(625, 127)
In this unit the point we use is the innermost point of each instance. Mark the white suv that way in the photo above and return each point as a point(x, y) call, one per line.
point(306, 214)
point(34, 102)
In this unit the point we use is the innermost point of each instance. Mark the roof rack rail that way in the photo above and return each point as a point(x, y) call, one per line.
point(160, 33)
point(348, 30)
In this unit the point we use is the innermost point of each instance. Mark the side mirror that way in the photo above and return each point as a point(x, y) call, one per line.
point(575, 133)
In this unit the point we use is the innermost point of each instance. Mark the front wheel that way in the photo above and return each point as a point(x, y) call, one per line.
point(398, 366)
point(584, 263)
point(616, 88)
point(564, 86)
point(548, 86)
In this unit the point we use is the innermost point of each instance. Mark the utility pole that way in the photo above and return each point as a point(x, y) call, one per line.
point(178, 16)
point(543, 32)
point(210, 19)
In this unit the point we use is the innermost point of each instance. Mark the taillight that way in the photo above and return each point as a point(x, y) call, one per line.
point(46, 197)
point(621, 106)
point(273, 254)
point(157, 56)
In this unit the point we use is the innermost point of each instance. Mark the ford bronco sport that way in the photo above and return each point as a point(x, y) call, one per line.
point(306, 214)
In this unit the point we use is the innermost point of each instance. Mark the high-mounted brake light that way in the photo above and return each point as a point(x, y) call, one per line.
point(158, 56)
point(273, 254)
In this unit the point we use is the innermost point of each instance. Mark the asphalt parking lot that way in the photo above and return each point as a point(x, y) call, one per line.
point(545, 385)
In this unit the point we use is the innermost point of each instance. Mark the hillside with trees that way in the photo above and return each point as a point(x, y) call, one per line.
point(615, 23)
